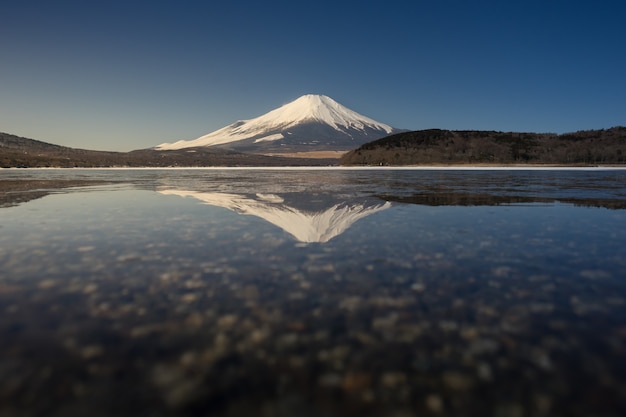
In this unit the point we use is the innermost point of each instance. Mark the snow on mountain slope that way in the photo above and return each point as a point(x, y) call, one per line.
point(311, 121)
point(305, 226)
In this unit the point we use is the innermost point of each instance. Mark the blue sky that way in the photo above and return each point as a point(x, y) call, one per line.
point(123, 75)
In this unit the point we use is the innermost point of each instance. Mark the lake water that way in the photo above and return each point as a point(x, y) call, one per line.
point(313, 292)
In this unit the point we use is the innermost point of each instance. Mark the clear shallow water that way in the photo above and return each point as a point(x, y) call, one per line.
point(312, 292)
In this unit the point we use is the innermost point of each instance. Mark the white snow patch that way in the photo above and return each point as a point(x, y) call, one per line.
point(269, 138)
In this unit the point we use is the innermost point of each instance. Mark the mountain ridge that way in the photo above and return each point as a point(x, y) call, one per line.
point(310, 122)
point(424, 147)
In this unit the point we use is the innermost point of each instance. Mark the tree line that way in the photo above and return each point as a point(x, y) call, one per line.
point(436, 146)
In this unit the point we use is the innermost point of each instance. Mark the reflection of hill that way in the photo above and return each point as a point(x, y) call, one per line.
point(304, 225)
point(15, 192)
point(470, 199)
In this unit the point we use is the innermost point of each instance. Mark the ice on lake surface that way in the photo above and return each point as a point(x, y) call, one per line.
point(312, 292)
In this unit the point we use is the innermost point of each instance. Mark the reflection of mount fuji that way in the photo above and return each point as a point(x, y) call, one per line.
point(306, 225)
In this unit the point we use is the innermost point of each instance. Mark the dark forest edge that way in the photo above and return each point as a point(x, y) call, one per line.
point(447, 147)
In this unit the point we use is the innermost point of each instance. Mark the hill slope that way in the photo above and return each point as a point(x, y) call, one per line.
point(435, 146)
point(18, 152)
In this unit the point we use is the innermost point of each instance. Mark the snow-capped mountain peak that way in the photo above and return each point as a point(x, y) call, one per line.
point(316, 122)
point(322, 109)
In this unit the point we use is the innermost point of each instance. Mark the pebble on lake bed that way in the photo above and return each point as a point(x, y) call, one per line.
point(331, 380)
point(227, 321)
point(393, 380)
point(456, 381)
point(434, 403)
point(91, 352)
point(189, 298)
point(47, 283)
point(90, 288)
point(356, 381)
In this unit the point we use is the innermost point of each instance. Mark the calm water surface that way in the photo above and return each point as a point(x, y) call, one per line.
point(312, 292)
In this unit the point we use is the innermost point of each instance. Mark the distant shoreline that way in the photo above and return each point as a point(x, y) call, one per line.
point(352, 168)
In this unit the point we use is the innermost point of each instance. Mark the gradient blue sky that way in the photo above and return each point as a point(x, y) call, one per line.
point(122, 75)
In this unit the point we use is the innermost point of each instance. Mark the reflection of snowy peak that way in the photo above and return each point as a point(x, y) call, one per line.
point(312, 122)
point(304, 226)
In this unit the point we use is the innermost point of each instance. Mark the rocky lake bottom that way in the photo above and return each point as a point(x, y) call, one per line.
point(313, 292)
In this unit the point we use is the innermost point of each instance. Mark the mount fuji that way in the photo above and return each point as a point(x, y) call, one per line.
point(309, 123)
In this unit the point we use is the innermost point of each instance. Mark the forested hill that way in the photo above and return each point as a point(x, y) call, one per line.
point(435, 146)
